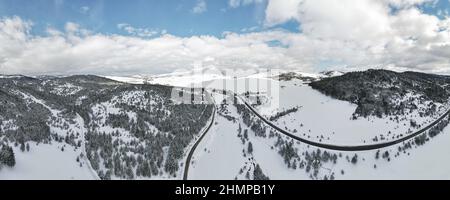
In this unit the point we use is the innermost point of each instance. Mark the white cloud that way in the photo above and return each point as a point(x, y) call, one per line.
point(280, 11)
point(84, 9)
point(72, 27)
point(367, 32)
point(238, 3)
point(14, 33)
point(354, 34)
point(200, 7)
point(250, 29)
point(140, 32)
point(70, 52)
point(409, 3)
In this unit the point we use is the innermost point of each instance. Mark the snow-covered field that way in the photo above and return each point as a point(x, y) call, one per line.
point(428, 162)
point(223, 153)
point(179, 79)
point(221, 156)
point(327, 120)
point(48, 162)
point(54, 161)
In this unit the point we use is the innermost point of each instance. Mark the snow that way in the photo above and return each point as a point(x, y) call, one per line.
point(36, 163)
point(58, 124)
point(80, 99)
point(182, 163)
point(185, 81)
point(428, 162)
point(220, 153)
point(46, 162)
point(223, 156)
point(332, 73)
point(220, 156)
point(324, 119)
point(103, 109)
point(132, 80)
point(197, 77)
point(8, 125)
point(66, 89)
point(11, 76)
point(181, 80)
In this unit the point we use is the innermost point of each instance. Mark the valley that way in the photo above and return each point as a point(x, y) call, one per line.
point(285, 126)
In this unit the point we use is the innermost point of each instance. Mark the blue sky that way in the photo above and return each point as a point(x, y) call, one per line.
point(175, 16)
point(439, 9)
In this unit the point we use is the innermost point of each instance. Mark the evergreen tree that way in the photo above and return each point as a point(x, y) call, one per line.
point(22, 147)
point(7, 156)
point(258, 174)
point(354, 159)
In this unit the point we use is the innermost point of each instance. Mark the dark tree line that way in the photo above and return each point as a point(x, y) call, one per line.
point(283, 113)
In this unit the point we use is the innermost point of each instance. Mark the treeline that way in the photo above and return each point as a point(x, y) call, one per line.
point(438, 128)
point(311, 162)
point(283, 113)
point(255, 124)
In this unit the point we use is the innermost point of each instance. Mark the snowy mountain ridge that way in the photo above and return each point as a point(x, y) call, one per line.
point(101, 128)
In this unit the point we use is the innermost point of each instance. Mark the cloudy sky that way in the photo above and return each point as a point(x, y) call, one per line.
point(129, 37)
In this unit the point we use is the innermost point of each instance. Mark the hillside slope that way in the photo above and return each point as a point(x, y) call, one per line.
point(125, 131)
point(382, 92)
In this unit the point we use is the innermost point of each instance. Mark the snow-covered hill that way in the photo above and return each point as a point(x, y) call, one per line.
point(88, 123)
point(225, 154)
point(133, 128)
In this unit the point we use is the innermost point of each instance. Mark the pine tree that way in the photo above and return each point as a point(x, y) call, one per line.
point(258, 174)
point(7, 156)
point(355, 159)
point(22, 147)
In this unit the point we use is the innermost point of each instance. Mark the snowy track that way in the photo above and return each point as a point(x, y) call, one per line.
point(344, 147)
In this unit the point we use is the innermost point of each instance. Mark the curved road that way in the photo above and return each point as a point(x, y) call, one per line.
point(344, 147)
point(191, 152)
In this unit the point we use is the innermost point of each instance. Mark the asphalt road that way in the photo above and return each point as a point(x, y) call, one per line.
point(191, 152)
point(346, 148)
